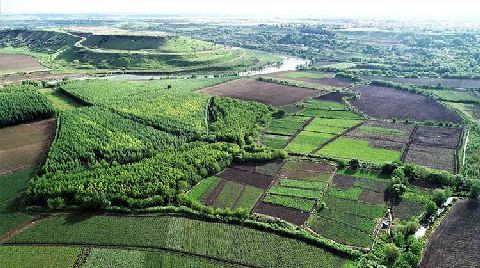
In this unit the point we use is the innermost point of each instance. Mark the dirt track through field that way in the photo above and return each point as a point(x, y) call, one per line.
point(25, 144)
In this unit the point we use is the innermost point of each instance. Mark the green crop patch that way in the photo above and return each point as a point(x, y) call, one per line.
point(338, 123)
point(354, 207)
point(249, 198)
point(352, 193)
point(110, 257)
point(296, 192)
point(210, 239)
point(300, 74)
point(454, 96)
point(203, 189)
point(306, 142)
point(92, 137)
point(329, 113)
point(26, 256)
point(382, 131)
point(287, 125)
point(303, 184)
point(290, 201)
point(325, 105)
point(340, 232)
point(362, 223)
point(324, 129)
point(60, 101)
point(275, 141)
point(10, 187)
point(347, 148)
point(230, 193)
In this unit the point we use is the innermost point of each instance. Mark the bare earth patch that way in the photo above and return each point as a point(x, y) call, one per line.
point(19, 63)
point(245, 177)
point(24, 145)
point(455, 243)
point(387, 103)
point(291, 215)
point(267, 93)
point(433, 157)
point(438, 137)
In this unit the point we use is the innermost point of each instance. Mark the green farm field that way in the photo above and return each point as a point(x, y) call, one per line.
point(224, 241)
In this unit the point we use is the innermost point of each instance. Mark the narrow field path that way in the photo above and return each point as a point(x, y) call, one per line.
point(22, 227)
point(409, 143)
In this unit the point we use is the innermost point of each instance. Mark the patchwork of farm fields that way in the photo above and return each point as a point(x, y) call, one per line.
point(225, 242)
point(215, 170)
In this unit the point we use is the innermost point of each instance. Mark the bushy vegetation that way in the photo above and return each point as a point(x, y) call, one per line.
point(41, 41)
point(153, 181)
point(23, 103)
point(175, 109)
point(235, 121)
point(94, 137)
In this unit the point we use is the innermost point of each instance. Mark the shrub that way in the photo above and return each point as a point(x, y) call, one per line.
point(439, 196)
point(474, 190)
point(391, 253)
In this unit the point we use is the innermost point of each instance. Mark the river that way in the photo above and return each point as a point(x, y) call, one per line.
point(288, 64)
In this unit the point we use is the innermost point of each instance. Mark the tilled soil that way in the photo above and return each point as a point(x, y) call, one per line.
point(25, 144)
point(455, 243)
point(19, 63)
point(267, 93)
point(343, 182)
point(333, 96)
point(245, 177)
point(372, 197)
point(291, 215)
point(433, 157)
point(438, 137)
point(357, 133)
point(309, 166)
point(388, 103)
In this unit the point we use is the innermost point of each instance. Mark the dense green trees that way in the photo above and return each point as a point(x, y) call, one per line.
point(92, 137)
point(23, 103)
point(152, 181)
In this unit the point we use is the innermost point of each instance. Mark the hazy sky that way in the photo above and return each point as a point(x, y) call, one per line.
point(268, 8)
